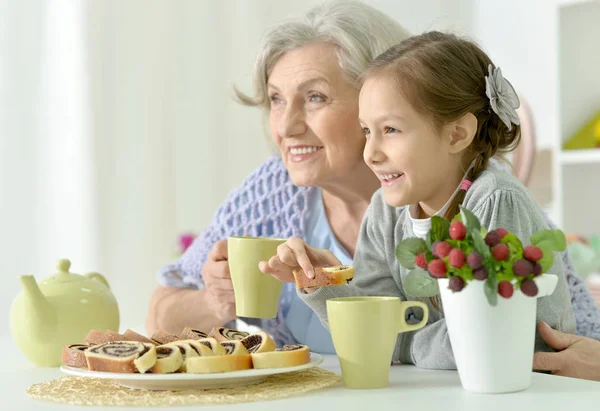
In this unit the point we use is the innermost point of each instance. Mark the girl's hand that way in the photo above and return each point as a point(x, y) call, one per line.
point(293, 254)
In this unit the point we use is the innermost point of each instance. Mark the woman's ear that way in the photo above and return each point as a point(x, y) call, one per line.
point(460, 133)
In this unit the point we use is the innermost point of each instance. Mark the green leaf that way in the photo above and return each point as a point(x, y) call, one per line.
point(408, 249)
point(550, 239)
point(491, 289)
point(513, 243)
point(479, 244)
point(470, 220)
point(440, 229)
point(418, 283)
point(547, 258)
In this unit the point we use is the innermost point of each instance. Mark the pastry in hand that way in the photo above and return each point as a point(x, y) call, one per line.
point(74, 355)
point(131, 335)
point(214, 345)
point(168, 359)
point(189, 349)
point(218, 364)
point(324, 276)
point(226, 334)
point(259, 342)
point(192, 334)
point(163, 337)
point(121, 357)
point(234, 347)
point(287, 356)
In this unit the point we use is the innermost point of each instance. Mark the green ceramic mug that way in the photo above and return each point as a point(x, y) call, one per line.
point(364, 332)
point(256, 294)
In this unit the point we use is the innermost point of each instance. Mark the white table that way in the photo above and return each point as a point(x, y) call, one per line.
point(409, 387)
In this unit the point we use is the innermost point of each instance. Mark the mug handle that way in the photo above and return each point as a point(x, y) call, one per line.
point(405, 305)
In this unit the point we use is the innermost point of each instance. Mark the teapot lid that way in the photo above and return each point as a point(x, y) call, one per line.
point(63, 275)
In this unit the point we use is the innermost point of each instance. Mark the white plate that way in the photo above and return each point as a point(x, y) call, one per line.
point(182, 381)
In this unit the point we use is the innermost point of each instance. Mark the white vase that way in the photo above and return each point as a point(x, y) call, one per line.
point(493, 346)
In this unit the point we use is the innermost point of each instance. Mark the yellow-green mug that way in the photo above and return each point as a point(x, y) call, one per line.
point(256, 294)
point(364, 332)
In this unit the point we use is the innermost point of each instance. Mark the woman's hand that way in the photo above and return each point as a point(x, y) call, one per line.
point(577, 357)
point(217, 281)
point(296, 253)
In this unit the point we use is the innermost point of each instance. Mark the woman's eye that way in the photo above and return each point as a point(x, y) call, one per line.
point(389, 130)
point(366, 131)
point(316, 98)
point(274, 99)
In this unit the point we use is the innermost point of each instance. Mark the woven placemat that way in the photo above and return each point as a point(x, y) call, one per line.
point(95, 391)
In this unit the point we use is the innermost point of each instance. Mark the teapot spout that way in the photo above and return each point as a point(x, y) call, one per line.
point(41, 314)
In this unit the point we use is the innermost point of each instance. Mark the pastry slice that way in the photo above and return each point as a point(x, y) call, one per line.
point(259, 342)
point(214, 346)
point(131, 335)
point(234, 347)
point(168, 359)
point(218, 364)
point(192, 334)
point(163, 337)
point(287, 356)
point(324, 276)
point(121, 357)
point(114, 336)
point(189, 349)
point(74, 355)
point(226, 334)
point(96, 337)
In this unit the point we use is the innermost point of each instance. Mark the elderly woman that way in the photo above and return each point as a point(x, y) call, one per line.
point(317, 189)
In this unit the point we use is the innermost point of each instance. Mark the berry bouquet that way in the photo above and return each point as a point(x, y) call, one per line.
point(489, 284)
point(463, 251)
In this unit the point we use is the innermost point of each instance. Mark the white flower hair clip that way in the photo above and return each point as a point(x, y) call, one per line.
point(503, 97)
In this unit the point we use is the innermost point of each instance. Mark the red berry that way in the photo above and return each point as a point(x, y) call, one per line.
point(537, 269)
point(500, 252)
point(456, 258)
point(501, 232)
point(474, 260)
point(522, 268)
point(505, 289)
point(456, 283)
point(529, 287)
point(437, 268)
point(532, 253)
point(421, 261)
point(492, 238)
point(441, 249)
point(457, 230)
point(480, 274)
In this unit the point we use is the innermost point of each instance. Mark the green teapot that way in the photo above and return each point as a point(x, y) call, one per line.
point(60, 310)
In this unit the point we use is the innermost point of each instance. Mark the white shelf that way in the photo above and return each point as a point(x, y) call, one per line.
point(585, 156)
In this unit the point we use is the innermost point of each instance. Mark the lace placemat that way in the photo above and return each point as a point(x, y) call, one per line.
point(99, 392)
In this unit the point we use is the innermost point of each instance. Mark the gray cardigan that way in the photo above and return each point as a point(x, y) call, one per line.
point(498, 200)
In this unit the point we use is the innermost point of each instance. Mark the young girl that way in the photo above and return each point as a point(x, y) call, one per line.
point(434, 110)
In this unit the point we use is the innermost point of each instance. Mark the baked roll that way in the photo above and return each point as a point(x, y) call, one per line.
point(218, 364)
point(163, 337)
point(121, 357)
point(74, 355)
point(324, 276)
point(226, 334)
point(192, 334)
point(168, 359)
point(189, 349)
point(96, 337)
point(131, 335)
point(214, 345)
point(259, 342)
point(287, 356)
point(234, 347)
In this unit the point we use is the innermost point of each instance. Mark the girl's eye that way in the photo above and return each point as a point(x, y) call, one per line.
point(389, 130)
point(366, 131)
point(316, 98)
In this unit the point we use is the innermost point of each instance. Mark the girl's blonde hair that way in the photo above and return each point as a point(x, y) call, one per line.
point(443, 77)
point(361, 33)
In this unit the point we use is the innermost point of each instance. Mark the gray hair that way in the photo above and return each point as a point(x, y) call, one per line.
point(361, 33)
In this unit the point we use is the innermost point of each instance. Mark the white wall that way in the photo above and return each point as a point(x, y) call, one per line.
point(166, 140)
